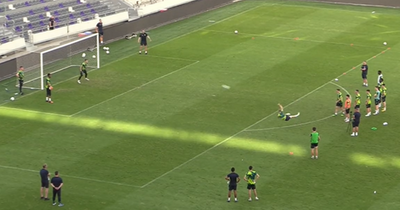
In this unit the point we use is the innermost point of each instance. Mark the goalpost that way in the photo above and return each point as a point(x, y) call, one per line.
point(64, 61)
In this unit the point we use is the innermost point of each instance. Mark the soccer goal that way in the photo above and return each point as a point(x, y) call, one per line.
point(64, 61)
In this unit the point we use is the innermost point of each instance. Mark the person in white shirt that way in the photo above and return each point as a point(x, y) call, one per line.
point(380, 78)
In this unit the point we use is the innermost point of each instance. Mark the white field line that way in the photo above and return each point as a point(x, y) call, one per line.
point(171, 58)
point(293, 38)
point(74, 177)
point(300, 124)
point(135, 88)
point(170, 40)
point(248, 127)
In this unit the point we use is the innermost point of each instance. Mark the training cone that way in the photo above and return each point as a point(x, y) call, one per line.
point(374, 129)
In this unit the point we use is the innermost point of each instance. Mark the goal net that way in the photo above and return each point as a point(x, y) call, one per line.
point(64, 61)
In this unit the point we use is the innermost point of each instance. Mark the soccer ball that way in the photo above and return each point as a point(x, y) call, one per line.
point(104, 48)
point(385, 123)
point(94, 56)
point(108, 52)
point(385, 43)
point(83, 55)
point(12, 98)
point(236, 32)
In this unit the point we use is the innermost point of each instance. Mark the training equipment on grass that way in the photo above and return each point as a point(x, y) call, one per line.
point(236, 32)
point(108, 52)
point(336, 79)
point(12, 98)
point(93, 56)
point(63, 61)
point(385, 43)
point(385, 123)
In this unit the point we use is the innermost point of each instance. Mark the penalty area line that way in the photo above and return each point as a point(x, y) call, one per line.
point(135, 88)
point(74, 177)
point(247, 128)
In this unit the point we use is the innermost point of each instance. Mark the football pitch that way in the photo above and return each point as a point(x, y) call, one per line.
point(159, 131)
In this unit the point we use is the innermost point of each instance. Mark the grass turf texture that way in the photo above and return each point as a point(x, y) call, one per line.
point(119, 141)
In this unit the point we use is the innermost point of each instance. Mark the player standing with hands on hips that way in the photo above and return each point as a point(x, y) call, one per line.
point(142, 40)
point(251, 177)
point(233, 180)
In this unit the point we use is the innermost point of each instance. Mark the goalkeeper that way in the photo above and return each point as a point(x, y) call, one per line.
point(286, 116)
point(82, 70)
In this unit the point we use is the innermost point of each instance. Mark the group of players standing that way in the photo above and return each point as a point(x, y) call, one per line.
point(379, 100)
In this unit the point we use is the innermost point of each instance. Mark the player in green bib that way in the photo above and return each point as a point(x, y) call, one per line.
point(251, 178)
point(20, 75)
point(315, 138)
point(383, 93)
point(357, 101)
point(287, 116)
point(82, 71)
point(49, 87)
point(368, 103)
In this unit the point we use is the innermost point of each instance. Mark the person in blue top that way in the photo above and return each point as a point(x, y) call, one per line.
point(286, 116)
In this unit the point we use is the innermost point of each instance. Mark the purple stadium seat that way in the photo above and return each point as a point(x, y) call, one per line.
point(31, 12)
point(88, 5)
point(18, 29)
point(8, 17)
point(46, 9)
point(42, 23)
point(56, 13)
point(41, 16)
point(42, 1)
point(78, 2)
point(4, 40)
point(30, 26)
point(27, 4)
point(57, 19)
point(93, 11)
point(82, 14)
point(71, 16)
point(61, 5)
point(86, 19)
point(10, 0)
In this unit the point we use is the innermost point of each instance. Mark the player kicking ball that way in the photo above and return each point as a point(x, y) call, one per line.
point(286, 116)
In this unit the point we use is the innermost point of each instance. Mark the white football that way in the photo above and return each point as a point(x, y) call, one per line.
point(226, 86)
point(236, 32)
point(12, 98)
point(385, 123)
point(83, 55)
point(104, 48)
point(94, 56)
point(385, 43)
point(107, 52)
point(336, 79)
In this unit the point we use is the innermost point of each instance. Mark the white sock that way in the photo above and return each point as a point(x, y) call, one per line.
point(145, 51)
point(235, 199)
point(356, 133)
point(47, 98)
point(140, 51)
point(229, 199)
point(353, 133)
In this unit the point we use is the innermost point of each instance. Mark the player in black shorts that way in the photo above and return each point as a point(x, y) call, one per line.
point(99, 29)
point(142, 40)
point(383, 95)
point(83, 71)
point(364, 73)
point(44, 177)
point(233, 180)
point(48, 88)
point(356, 122)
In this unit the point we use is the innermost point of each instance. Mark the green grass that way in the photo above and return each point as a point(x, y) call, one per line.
point(159, 131)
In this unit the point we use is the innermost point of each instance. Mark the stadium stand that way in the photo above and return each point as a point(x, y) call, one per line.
point(34, 15)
